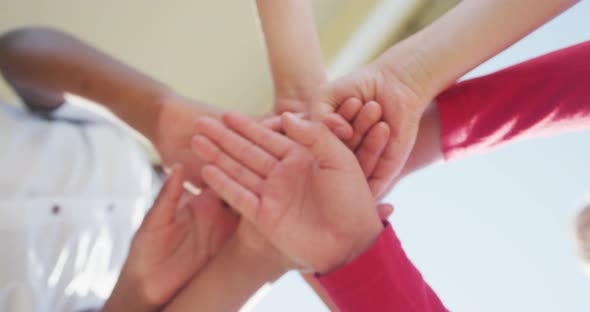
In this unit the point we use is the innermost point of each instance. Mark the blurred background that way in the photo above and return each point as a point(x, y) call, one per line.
point(213, 50)
point(490, 233)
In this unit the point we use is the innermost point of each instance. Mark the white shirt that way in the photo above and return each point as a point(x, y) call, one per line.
point(72, 193)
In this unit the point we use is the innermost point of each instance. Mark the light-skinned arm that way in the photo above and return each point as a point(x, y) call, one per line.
point(542, 96)
point(408, 76)
point(298, 71)
point(294, 52)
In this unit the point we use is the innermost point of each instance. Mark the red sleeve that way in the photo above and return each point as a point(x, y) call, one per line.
point(381, 279)
point(545, 95)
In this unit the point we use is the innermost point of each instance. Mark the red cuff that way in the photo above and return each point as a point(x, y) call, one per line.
point(381, 279)
point(354, 275)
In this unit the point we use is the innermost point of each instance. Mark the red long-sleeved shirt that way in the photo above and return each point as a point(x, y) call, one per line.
point(544, 95)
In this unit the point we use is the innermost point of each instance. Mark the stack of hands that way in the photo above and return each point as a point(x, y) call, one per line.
point(295, 191)
point(299, 189)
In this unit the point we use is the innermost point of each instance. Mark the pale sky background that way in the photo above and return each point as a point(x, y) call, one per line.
point(493, 232)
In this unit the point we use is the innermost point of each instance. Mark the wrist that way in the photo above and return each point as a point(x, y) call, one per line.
point(258, 257)
point(129, 295)
point(295, 98)
point(362, 241)
point(406, 63)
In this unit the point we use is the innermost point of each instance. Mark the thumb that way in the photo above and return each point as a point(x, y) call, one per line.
point(324, 110)
point(164, 209)
point(313, 135)
point(323, 105)
point(384, 211)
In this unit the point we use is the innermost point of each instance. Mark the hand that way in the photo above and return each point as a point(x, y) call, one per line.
point(357, 123)
point(361, 124)
point(173, 243)
point(306, 194)
point(402, 110)
point(370, 135)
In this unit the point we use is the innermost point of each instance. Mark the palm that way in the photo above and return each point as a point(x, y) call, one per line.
point(289, 203)
point(291, 191)
point(169, 255)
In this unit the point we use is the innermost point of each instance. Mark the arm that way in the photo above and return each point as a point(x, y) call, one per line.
point(53, 63)
point(542, 96)
point(229, 279)
point(43, 64)
point(382, 278)
point(293, 50)
point(467, 35)
point(408, 76)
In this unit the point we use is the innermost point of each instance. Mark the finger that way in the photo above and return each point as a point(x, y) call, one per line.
point(371, 148)
point(241, 199)
point(272, 142)
point(339, 126)
point(369, 115)
point(324, 105)
point(163, 211)
point(274, 122)
point(239, 148)
point(315, 136)
point(349, 109)
point(210, 153)
point(393, 159)
point(332, 96)
point(384, 211)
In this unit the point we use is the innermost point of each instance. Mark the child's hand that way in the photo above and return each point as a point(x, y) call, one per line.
point(367, 134)
point(402, 109)
point(305, 193)
point(173, 243)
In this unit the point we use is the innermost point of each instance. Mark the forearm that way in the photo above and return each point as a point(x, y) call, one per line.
point(127, 296)
point(428, 148)
point(469, 34)
point(227, 281)
point(293, 47)
point(542, 96)
point(55, 63)
point(381, 279)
